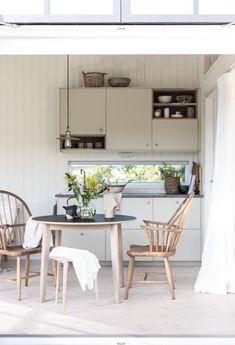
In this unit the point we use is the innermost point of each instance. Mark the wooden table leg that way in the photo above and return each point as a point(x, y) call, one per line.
point(114, 241)
point(44, 261)
point(58, 234)
point(121, 255)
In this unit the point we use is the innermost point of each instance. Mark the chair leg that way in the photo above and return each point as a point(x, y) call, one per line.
point(65, 278)
point(130, 273)
point(54, 271)
point(18, 278)
point(169, 277)
point(27, 266)
point(96, 291)
point(57, 281)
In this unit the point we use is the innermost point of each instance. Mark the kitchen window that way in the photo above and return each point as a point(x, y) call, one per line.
point(137, 173)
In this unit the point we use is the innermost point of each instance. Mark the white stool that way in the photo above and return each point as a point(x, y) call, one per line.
point(65, 263)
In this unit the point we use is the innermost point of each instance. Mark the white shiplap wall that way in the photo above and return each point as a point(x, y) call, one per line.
point(31, 164)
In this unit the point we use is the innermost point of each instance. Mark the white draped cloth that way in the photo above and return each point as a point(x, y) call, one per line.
point(33, 234)
point(86, 264)
point(217, 273)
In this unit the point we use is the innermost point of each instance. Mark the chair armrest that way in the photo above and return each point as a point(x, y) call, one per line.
point(4, 226)
point(159, 226)
point(154, 222)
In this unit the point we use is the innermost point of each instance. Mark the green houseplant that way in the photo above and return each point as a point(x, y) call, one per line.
point(171, 176)
point(85, 188)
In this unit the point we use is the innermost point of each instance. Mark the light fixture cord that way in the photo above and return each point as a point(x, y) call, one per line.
point(68, 92)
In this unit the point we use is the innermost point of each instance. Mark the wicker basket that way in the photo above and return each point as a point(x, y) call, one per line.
point(172, 185)
point(93, 79)
point(184, 99)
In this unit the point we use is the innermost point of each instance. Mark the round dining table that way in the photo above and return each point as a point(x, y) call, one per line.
point(60, 223)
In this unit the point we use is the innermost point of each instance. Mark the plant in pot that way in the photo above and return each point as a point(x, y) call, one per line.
point(171, 176)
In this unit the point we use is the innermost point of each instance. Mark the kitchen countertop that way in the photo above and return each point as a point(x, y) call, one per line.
point(140, 195)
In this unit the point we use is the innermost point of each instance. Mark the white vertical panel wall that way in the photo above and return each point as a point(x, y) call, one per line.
point(30, 162)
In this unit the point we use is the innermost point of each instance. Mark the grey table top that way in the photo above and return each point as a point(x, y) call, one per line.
point(98, 219)
point(140, 195)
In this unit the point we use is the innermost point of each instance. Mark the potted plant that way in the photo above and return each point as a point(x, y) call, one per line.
point(171, 176)
point(85, 188)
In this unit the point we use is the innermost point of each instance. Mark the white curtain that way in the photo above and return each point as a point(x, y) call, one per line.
point(217, 273)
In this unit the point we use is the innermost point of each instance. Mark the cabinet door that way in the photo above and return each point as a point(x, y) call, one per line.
point(177, 134)
point(164, 208)
point(85, 239)
point(129, 114)
point(188, 247)
point(141, 208)
point(128, 237)
point(87, 111)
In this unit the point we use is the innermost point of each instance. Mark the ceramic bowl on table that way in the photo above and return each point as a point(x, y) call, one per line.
point(164, 99)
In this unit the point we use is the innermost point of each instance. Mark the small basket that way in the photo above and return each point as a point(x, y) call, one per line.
point(184, 99)
point(172, 185)
point(93, 79)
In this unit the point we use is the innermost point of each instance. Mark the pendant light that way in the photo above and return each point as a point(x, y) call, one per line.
point(68, 141)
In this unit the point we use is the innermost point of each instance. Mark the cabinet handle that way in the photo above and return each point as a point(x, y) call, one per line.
point(156, 144)
point(147, 145)
point(148, 202)
point(101, 129)
point(177, 202)
point(82, 233)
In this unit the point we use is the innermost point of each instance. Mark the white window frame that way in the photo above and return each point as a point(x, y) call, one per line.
point(127, 17)
point(47, 18)
point(121, 15)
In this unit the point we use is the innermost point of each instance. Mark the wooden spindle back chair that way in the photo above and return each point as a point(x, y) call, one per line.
point(163, 239)
point(14, 213)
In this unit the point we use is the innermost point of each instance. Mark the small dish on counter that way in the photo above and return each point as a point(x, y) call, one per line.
point(177, 116)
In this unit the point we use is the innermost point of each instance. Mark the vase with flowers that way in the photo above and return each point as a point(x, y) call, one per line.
point(85, 188)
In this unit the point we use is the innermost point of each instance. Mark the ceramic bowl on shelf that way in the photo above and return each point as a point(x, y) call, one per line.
point(164, 99)
point(119, 82)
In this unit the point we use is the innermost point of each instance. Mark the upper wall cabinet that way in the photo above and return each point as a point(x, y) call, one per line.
point(87, 111)
point(177, 135)
point(129, 114)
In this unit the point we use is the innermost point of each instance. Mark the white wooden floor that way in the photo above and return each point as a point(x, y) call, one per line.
point(149, 311)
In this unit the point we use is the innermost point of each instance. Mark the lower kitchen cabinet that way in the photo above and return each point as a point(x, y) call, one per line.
point(188, 247)
point(141, 208)
point(128, 237)
point(98, 242)
point(92, 240)
point(164, 208)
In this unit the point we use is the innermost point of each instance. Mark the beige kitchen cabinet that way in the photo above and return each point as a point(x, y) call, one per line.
point(141, 208)
point(189, 246)
point(163, 209)
point(175, 134)
point(86, 239)
point(129, 117)
point(87, 111)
